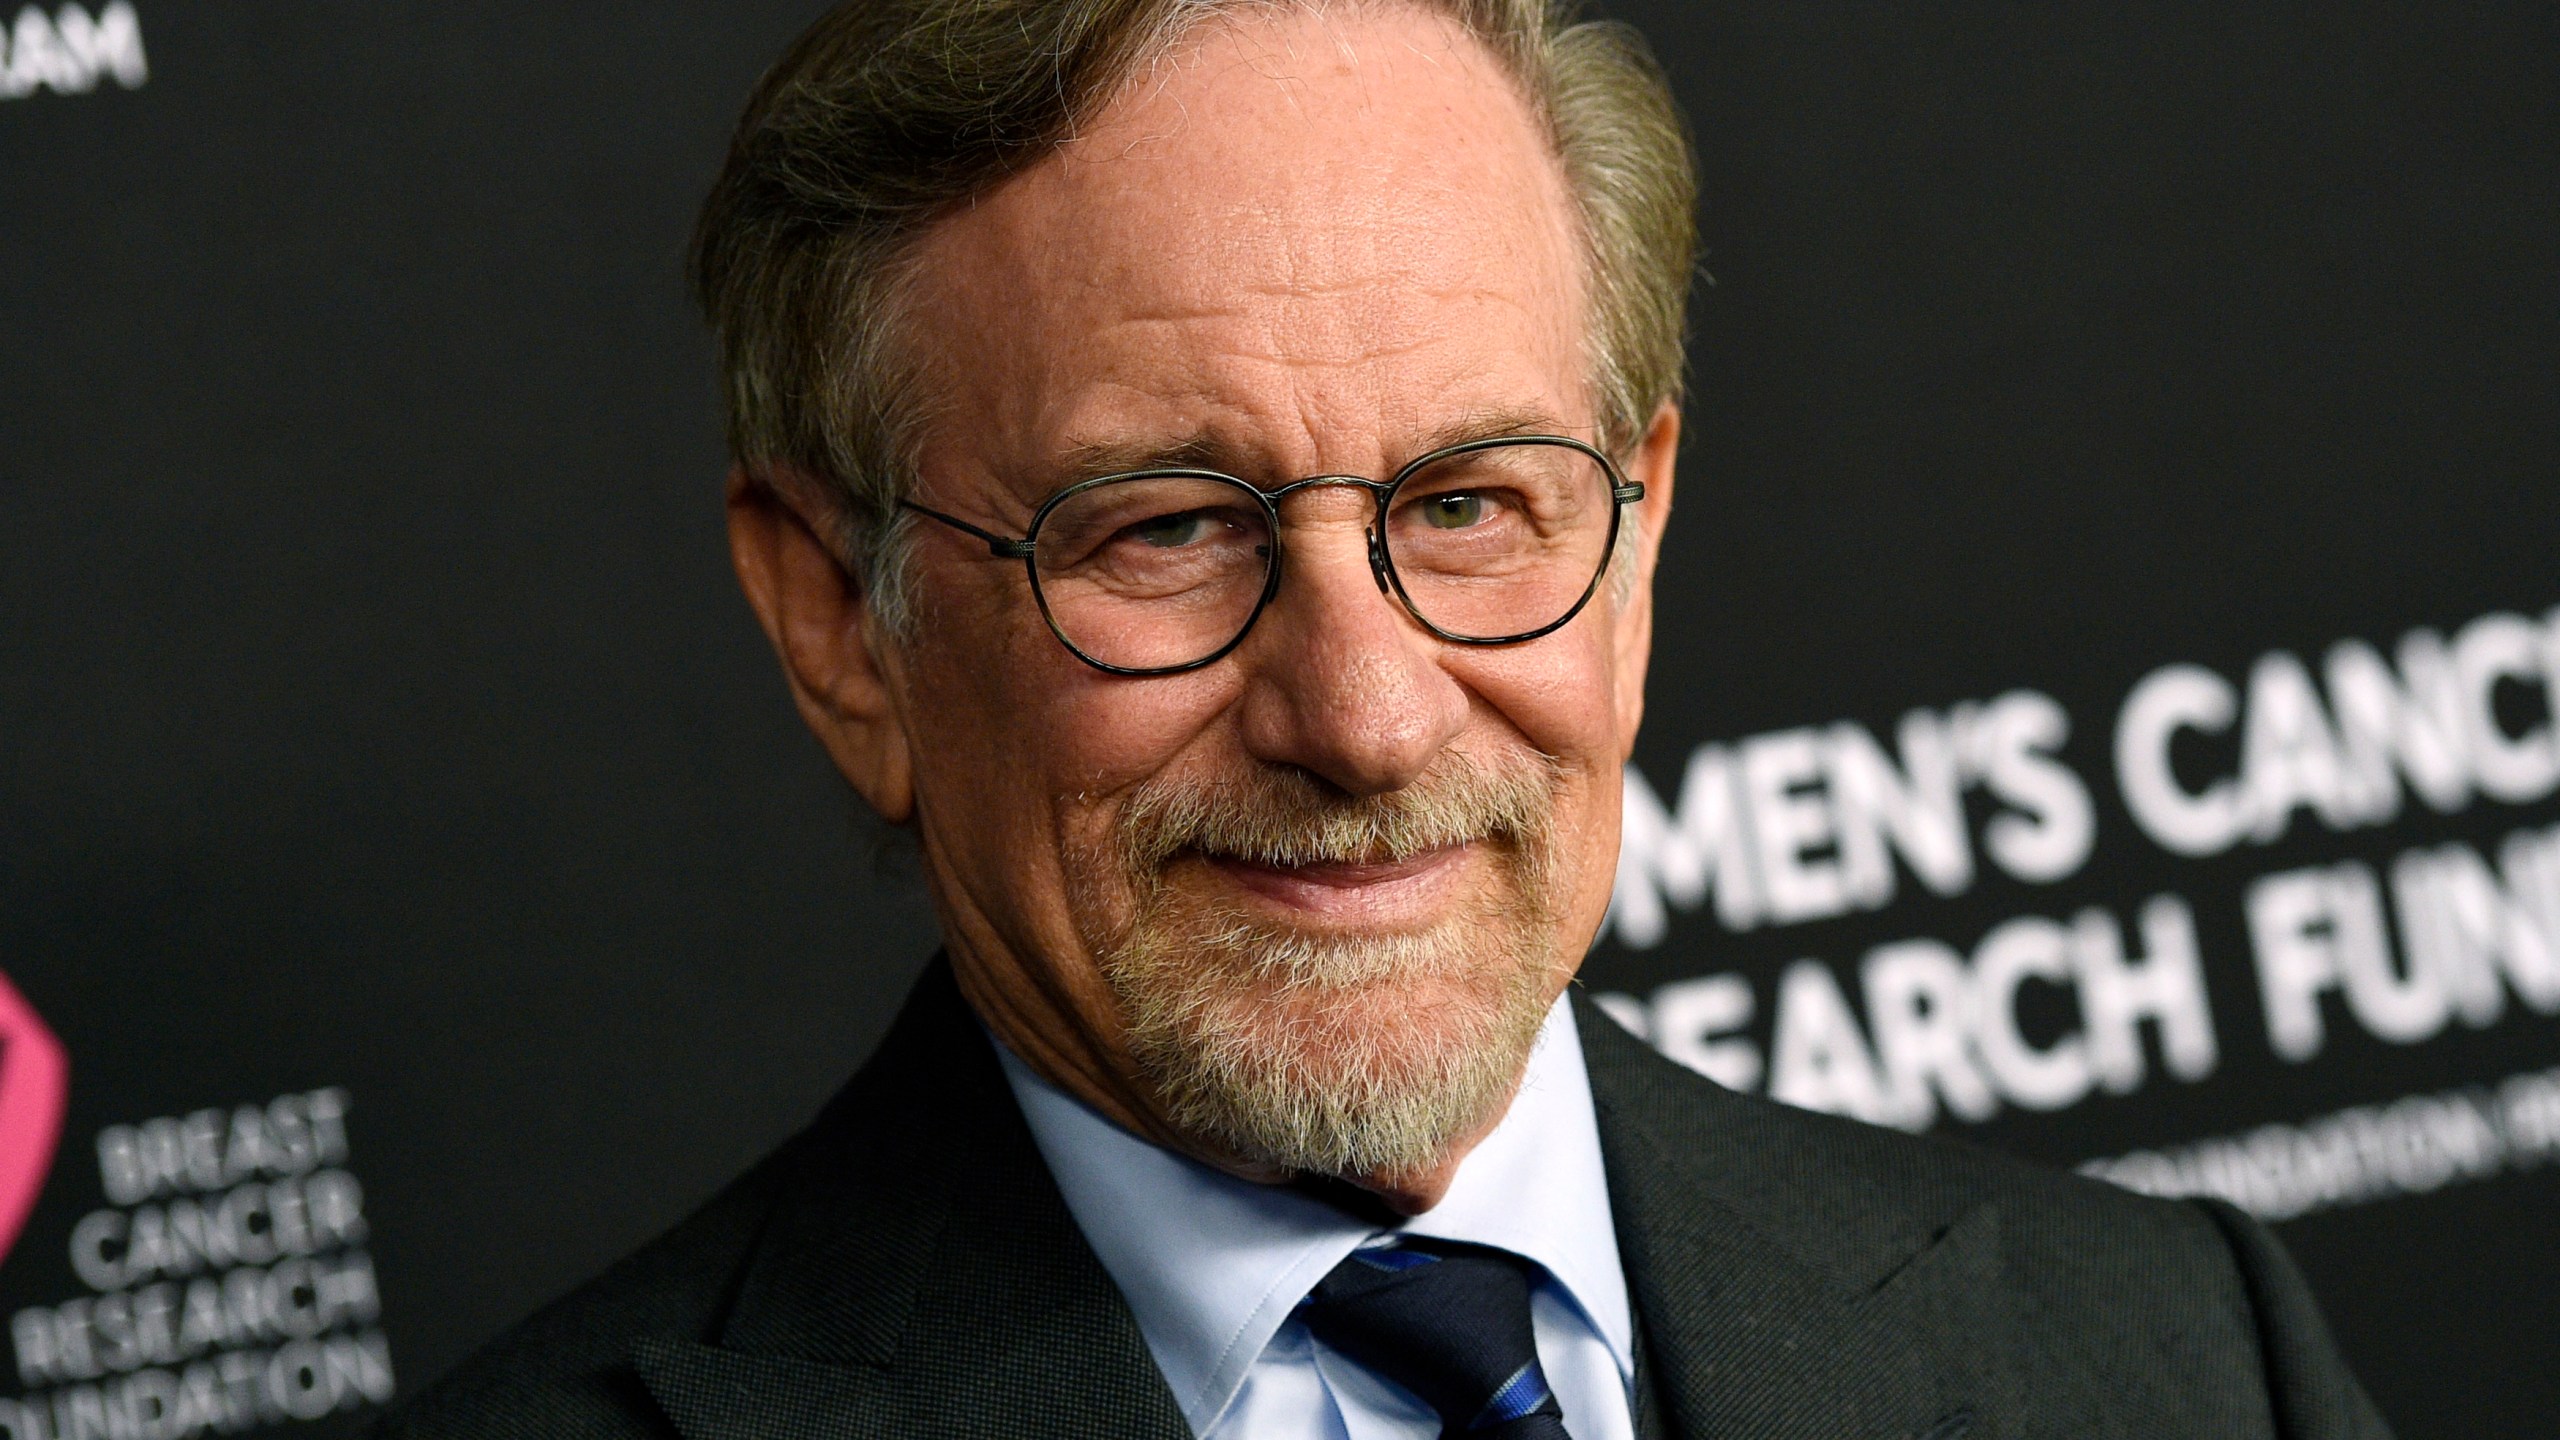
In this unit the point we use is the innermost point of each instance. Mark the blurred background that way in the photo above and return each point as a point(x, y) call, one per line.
point(2104, 702)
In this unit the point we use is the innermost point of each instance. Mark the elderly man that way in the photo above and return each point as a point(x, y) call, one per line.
point(1201, 463)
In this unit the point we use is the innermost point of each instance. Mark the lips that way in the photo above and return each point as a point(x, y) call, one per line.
point(1376, 891)
point(35, 1081)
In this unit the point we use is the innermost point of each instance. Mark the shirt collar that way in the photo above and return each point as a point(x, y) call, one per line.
point(1212, 1265)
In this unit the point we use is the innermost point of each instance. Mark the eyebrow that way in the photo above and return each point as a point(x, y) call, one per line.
point(1208, 450)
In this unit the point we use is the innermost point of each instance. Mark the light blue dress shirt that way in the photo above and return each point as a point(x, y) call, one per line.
point(1212, 1265)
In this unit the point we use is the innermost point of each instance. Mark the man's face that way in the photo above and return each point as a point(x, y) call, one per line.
point(1324, 888)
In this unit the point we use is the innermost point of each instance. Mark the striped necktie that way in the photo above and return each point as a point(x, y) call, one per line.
point(1449, 1323)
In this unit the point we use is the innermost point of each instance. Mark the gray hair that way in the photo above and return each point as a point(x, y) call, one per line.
point(888, 114)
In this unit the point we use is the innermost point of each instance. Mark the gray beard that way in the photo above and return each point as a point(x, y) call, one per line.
point(1336, 1055)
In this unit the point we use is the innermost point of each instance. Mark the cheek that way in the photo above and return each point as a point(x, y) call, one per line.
point(1557, 695)
point(1101, 734)
point(1029, 743)
point(1557, 692)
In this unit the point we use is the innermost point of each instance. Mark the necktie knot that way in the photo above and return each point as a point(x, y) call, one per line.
point(1448, 1322)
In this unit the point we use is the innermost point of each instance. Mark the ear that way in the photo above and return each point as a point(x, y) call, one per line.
point(843, 676)
point(1652, 464)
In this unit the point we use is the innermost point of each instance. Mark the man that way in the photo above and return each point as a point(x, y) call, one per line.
point(1201, 464)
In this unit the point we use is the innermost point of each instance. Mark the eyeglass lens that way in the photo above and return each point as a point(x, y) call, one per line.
point(1159, 572)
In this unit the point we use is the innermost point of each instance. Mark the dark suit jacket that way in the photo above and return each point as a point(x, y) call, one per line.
point(905, 1267)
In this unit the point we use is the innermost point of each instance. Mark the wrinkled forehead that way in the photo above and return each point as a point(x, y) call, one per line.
point(1307, 232)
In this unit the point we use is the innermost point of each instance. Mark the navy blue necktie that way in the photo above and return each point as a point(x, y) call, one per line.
point(1449, 1323)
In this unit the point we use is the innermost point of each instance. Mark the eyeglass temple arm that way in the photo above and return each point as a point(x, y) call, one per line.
point(1628, 493)
point(1000, 546)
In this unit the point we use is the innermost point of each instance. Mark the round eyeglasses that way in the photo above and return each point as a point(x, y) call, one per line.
point(1155, 572)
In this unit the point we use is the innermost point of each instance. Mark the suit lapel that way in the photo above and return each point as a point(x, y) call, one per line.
point(920, 1275)
point(1771, 1303)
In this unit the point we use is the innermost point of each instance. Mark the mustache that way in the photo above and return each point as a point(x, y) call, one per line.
point(1281, 815)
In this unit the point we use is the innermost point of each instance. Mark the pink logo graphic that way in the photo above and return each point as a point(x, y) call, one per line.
point(35, 1081)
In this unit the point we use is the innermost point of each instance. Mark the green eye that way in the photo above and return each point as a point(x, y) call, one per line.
point(1453, 512)
point(1166, 532)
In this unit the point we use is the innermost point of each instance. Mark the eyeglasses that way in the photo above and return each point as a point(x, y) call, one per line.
point(1155, 572)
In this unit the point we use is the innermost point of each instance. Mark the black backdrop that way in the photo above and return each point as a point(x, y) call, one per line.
point(379, 729)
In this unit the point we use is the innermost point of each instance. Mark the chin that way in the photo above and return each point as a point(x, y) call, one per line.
point(1331, 1054)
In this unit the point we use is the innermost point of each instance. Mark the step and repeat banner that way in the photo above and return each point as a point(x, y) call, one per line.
point(2108, 657)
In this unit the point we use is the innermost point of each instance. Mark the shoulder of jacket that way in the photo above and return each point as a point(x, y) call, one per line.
point(1833, 1177)
point(564, 1373)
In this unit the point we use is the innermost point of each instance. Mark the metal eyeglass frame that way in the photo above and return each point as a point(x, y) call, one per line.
point(1622, 493)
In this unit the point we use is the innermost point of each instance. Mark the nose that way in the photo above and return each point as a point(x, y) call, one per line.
point(1341, 682)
